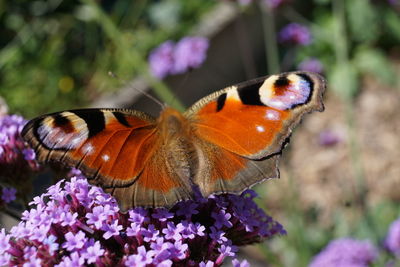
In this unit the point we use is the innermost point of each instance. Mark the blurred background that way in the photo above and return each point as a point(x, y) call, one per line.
point(340, 175)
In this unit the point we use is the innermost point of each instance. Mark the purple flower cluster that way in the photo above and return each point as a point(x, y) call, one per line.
point(295, 33)
point(75, 224)
point(392, 241)
point(346, 252)
point(17, 161)
point(171, 58)
point(311, 64)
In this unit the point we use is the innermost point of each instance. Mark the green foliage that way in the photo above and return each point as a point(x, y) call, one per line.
point(343, 79)
point(347, 35)
point(57, 54)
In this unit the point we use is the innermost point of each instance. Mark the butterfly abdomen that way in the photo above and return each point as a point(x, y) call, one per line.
point(176, 139)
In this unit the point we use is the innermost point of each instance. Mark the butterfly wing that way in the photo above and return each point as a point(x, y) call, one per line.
point(243, 128)
point(115, 148)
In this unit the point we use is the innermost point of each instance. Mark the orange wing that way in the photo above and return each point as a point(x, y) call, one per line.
point(116, 149)
point(247, 125)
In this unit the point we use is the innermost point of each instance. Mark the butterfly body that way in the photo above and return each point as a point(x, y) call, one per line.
point(226, 142)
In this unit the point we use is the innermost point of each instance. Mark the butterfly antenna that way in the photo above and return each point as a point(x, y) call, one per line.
point(180, 85)
point(162, 105)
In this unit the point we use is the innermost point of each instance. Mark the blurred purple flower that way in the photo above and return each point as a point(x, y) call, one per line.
point(346, 252)
point(392, 241)
point(189, 53)
point(328, 138)
point(168, 58)
point(75, 224)
point(161, 59)
point(295, 33)
point(311, 64)
point(29, 154)
point(15, 157)
point(8, 194)
point(237, 263)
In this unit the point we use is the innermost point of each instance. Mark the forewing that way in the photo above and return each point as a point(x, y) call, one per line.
point(242, 129)
point(254, 118)
point(115, 148)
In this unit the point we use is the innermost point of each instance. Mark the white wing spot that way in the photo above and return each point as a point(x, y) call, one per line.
point(105, 157)
point(272, 115)
point(276, 104)
point(260, 128)
point(75, 141)
point(88, 149)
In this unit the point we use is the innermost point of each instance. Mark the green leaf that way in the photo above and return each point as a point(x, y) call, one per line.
point(392, 23)
point(343, 80)
point(363, 20)
point(374, 62)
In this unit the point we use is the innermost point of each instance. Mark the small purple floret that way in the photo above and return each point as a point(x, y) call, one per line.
point(346, 252)
point(296, 34)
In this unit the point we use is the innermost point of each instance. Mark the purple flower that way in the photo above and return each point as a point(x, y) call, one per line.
point(75, 224)
point(150, 234)
point(392, 241)
point(218, 235)
point(74, 241)
point(328, 138)
point(178, 250)
point(29, 154)
point(311, 64)
point(237, 263)
point(346, 252)
point(93, 253)
point(4, 241)
point(187, 209)
point(296, 34)
point(96, 217)
point(138, 215)
point(172, 231)
point(189, 53)
point(206, 264)
point(161, 59)
point(111, 229)
point(221, 219)
point(142, 258)
point(8, 194)
point(168, 58)
point(162, 214)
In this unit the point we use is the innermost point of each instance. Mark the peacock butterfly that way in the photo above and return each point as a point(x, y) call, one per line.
point(226, 142)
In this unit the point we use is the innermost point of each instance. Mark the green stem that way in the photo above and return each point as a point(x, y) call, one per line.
point(271, 45)
point(340, 44)
point(161, 90)
point(342, 54)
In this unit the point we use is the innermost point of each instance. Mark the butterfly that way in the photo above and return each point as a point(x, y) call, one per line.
point(225, 143)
